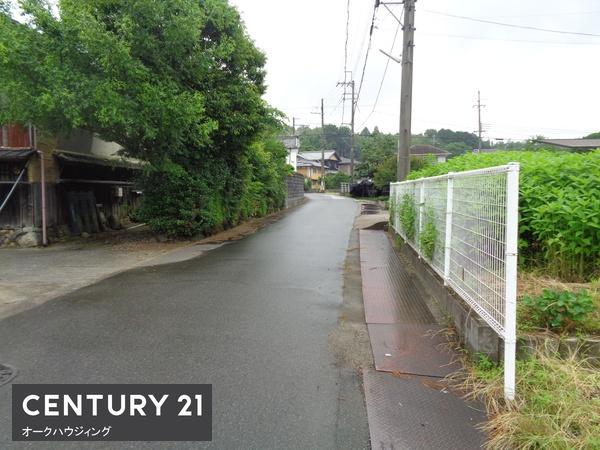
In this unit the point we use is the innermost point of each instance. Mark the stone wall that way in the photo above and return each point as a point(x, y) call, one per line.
point(295, 189)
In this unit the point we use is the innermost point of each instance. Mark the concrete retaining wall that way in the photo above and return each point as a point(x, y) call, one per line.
point(295, 190)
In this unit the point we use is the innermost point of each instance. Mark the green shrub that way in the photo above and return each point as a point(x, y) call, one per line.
point(558, 311)
point(307, 185)
point(428, 235)
point(559, 207)
point(333, 180)
point(408, 216)
point(212, 195)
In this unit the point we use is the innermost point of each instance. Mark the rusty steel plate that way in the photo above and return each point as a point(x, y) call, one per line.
point(416, 413)
point(412, 349)
point(389, 292)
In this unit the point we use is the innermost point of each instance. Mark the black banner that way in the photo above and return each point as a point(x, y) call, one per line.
point(111, 412)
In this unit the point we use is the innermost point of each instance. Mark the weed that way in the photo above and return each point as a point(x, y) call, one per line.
point(408, 216)
point(428, 236)
point(559, 219)
point(558, 310)
point(557, 404)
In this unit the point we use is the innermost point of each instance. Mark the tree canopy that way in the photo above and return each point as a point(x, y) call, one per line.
point(159, 78)
point(177, 83)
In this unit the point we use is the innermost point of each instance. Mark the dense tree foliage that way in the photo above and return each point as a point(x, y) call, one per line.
point(332, 137)
point(376, 149)
point(593, 136)
point(177, 83)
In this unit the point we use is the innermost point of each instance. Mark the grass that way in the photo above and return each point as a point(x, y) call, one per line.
point(557, 405)
point(533, 284)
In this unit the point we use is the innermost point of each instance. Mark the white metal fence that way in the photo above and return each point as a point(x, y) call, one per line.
point(465, 225)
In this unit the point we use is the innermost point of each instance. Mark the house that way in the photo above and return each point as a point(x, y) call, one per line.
point(61, 186)
point(309, 165)
point(581, 145)
point(422, 151)
point(345, 165)
point(331, 158)
point(310, 169)
point(292, 145)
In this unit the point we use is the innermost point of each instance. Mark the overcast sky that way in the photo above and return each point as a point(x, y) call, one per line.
point(531, 82)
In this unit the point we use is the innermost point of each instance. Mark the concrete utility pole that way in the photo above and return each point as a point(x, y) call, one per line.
point(479, 128)
point(353, 111)
point(294, 126)
point(406, 97)
point(322, 146)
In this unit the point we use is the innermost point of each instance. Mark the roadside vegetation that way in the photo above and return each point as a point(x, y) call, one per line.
point(559, 208)
point(557, 406)
point(558, 372)
point(178, 84)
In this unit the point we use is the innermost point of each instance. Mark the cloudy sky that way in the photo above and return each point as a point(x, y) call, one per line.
point(531, 82)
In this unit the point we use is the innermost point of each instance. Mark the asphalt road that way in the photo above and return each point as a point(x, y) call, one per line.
point(252, 317)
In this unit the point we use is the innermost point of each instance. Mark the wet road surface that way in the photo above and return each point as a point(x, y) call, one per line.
point(252, 317)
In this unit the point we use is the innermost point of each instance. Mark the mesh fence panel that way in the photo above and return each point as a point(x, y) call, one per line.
point(476, 250)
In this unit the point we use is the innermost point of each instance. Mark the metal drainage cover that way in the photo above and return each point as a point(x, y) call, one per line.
point(7, 373)
point(369, 208)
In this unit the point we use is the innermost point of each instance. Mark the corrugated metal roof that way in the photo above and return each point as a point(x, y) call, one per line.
point(15, 154)
point(581, 144)
point(80, 158)
point(344, 160)
point(314, 156)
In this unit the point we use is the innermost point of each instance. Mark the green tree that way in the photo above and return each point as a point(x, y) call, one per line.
point(177, 83)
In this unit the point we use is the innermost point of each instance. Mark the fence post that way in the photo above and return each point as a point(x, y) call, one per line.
point(421, 210)
point(448, 239)
point(512, 236)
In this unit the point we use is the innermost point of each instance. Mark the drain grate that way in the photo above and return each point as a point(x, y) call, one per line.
point(369, 208)
point(7, 373)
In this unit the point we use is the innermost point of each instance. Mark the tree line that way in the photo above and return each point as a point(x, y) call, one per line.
point(177, 83)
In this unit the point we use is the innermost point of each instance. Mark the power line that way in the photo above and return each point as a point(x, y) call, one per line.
point(362, 77)
point(481, 38)
point(511, 25)
point(346, 54)
point(387, 64)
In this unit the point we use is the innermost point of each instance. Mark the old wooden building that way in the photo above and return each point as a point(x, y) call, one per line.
point(53, 186)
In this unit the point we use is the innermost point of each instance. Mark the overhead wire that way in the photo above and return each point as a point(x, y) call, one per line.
point(511, 25)
point(346, 56)
point(364, 69)
point(387, 64)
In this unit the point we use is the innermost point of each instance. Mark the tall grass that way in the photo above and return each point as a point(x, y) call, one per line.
point(557, 405)
point(559, 207)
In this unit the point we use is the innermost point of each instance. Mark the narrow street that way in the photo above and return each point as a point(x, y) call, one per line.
point(252, 317)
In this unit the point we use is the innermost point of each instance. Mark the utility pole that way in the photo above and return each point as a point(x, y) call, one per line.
point(406, 96)
point(294, 126)
point(479, 128)
point(353, 111)
point(322, 146)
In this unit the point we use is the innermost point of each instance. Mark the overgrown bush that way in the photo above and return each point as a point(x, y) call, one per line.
point(428, 235)
point(559, 207)
point(212, 196)
point(556, 407)
point(408, 215)
point(557, 311)
point(333, 180)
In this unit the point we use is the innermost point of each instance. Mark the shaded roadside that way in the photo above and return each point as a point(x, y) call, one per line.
point(32, 276)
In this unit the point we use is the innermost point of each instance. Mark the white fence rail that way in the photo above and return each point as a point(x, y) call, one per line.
point(465, 226)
